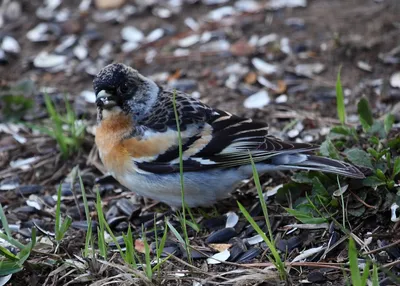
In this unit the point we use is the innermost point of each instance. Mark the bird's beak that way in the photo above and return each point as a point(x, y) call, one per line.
point(105, 100)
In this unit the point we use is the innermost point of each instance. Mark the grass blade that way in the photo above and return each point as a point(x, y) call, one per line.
point(341, 111)
point(375, 277)
point(261, 197)
point(183, 217)
point(176, 233)
point(4, 222)
point(353, 260)
point(277, 261)
point(58, 214)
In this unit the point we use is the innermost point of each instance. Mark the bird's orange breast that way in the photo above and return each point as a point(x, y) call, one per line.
point(118, 151)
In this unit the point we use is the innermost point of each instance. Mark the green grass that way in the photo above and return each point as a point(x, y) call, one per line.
point(9, 262)
point(61, 226)
point(341, 111)
point(182, 217)
point(275, 259)
point(65, 127)
point(357, 278)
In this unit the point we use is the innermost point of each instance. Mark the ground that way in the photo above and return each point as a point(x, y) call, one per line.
point(358, 37)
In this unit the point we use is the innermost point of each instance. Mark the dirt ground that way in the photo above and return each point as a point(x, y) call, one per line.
point(338, 34)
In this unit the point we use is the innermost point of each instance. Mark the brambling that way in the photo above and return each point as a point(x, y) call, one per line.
point(138, 142)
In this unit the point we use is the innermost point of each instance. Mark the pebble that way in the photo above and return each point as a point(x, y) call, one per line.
point(236, 251)
point(106, 50)
point(114, 221)
point(220, 13)
point(25, 209)
point(9, 184)
point(3, 57)
point(183, 84)
point(39, 33)
point(88, 95)
point(46, 60)
point(127, 207)
point(10, 45)
point(309, 70)
point(49, 200)
point(66, 43)
point(265, 40)
point(316, 276)
point(231, 220)
point(248, 6)
point(278, 4)
point(222, 235)
point(219, 257)
point(364, 66)
point(283, 98)
point(81, 52)
point(155, 35)
point(395, 80)
point(129, 46)
point(264, 67)
point(249, 255)
point(189, 41)
point(132, 34)
point(254, 239)
point(12, 10)
point(122, 227)
point(84, 225)
point(109, 4)
point(257, 100)
point(162, 12)
point(215, 223)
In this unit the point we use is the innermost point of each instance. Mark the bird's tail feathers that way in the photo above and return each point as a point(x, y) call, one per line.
point(317, 163)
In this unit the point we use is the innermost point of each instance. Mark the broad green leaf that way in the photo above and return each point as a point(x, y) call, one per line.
point(342, 130)
point(380, 174)
point(396, 166)
point(378, 129)
point(327, 149)
point(318, 188)
point(374, 140)
point(365, 114)
point(305, 217)
point(358, 212)
point(302, 178)
point(340, 100)
point(389, 121)
point(373, 181)
point(359, 157)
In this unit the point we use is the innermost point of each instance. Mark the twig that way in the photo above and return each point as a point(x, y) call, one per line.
point(382, 248)
point(361, 201)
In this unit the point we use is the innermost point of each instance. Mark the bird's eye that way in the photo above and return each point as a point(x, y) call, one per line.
point(123, 89)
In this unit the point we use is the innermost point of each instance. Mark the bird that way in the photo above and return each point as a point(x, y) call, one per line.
point(138, 140)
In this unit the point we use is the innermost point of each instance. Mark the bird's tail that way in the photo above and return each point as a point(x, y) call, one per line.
point(316, 163)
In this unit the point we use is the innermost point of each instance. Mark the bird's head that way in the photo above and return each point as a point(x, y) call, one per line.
point(120, 88)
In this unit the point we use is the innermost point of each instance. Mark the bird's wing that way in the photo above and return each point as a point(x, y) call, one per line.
point(211, 138)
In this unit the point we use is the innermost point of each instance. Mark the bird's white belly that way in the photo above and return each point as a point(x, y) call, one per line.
point(201, 189)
